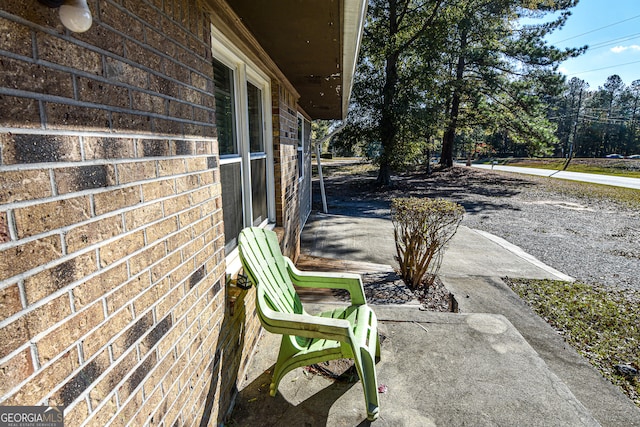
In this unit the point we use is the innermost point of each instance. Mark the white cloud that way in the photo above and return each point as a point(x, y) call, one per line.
point(563, 70)
point(620, 49)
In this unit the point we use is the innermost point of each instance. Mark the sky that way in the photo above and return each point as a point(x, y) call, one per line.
point(611, 28)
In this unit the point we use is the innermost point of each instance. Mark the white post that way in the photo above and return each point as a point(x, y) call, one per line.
point(324, 197)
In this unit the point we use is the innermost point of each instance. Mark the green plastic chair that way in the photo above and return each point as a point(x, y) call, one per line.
point(346, 332)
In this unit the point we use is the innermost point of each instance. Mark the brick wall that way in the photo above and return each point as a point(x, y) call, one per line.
point(285, 135)
point(112, 292)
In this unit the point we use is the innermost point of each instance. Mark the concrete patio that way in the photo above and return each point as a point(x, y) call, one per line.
point(495, 363)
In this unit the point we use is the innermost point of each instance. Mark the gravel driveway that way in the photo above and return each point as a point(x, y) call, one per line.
point(594, 239)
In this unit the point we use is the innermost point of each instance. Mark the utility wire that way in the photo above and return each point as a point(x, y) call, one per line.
point(613, 41)
point(603, 68)
point(598, 29)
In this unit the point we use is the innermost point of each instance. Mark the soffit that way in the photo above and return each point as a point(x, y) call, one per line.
point(313, 42)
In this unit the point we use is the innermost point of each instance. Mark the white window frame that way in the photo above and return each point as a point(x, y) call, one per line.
point(245, 71)
point(301, 149)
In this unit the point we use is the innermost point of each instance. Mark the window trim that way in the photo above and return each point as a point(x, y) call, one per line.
point(300, 148)
point(246, 71)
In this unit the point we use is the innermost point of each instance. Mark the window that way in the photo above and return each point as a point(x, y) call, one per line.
point(242, 96)
point(300, 147)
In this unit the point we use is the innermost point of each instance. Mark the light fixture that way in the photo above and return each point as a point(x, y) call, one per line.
point(74, 14)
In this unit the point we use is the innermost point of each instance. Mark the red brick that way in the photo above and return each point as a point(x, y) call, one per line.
point(47, 282)
point(22, 258)
point(44, 217)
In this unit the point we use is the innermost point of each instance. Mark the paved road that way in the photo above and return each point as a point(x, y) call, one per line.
point(617, 181)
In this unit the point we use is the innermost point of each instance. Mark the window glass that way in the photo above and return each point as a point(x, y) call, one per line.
point(242, 98)
point(231, 179)
point(300, 148)
point(259, 190)
point(254, 103)
point(225, 108)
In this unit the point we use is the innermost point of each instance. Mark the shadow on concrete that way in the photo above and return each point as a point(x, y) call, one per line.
point(254, 406)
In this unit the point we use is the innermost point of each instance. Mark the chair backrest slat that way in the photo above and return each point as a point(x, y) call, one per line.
point(267, 268)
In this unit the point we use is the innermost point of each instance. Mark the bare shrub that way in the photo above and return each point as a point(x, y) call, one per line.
point(422, 227)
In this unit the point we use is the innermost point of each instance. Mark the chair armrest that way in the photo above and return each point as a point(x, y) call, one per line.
point(305, 325)
point(348, 281)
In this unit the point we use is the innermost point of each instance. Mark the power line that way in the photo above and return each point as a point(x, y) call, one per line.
point(603, 68)
point(598, 29)
point(612, 41)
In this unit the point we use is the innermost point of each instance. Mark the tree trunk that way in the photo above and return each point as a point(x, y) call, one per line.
point(388, 125)
point(448, 139)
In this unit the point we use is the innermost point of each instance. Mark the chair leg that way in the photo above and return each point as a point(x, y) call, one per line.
point(369, 381)
point(283, 364)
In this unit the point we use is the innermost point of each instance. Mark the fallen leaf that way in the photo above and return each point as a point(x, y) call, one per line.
point(383, 389)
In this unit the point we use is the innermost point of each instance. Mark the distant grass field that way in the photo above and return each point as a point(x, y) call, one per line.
point(617, 167)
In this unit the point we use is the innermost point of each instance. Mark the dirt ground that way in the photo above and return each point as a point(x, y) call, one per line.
point(568, 226)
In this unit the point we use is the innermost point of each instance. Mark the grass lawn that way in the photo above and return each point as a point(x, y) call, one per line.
point(602, 324)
